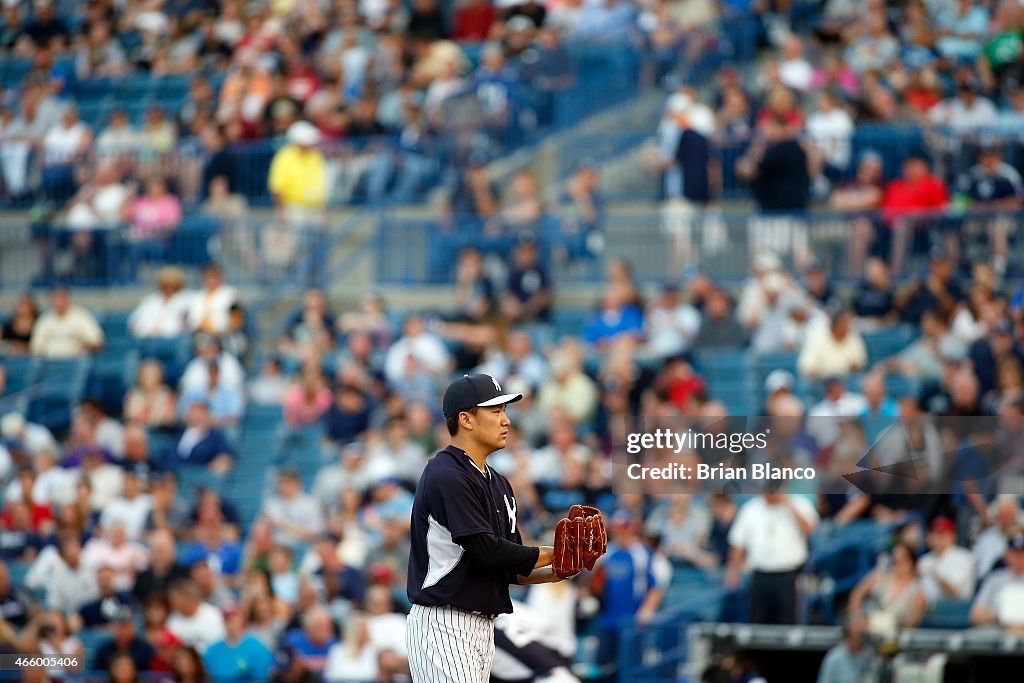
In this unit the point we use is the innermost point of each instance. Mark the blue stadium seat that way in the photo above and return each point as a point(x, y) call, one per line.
point(899, 386)
point(66, 376)
point(887, 342)
point(173, 352)
point(17, 571)
point(21, 371)
point(93, 88)
point(190, 243)
point(261, 418)
point(725, 365)
point(738, 396)
point(113, 373)
point(161, 441)
point(569, 321)
point(764, 364)
point(92, 639)
point(115, 325)
point(953, 614)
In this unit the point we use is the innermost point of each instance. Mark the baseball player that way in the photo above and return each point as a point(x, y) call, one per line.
point(466, 546)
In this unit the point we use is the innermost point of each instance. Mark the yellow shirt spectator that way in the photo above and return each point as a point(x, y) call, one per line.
point(298, 172)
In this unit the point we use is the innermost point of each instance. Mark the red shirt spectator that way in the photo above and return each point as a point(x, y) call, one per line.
point(302, 81)
point(917, 191)
point(474, 20)
point(40, 517)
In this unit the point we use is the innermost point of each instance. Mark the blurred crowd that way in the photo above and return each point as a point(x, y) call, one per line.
point(155, 548)
point(411, 74)
point(124, 529)
point(797, 131)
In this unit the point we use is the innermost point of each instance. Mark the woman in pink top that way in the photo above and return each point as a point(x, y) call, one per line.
point(156, 214)
point(308, 399)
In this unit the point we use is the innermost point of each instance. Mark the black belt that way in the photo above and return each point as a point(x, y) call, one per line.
point(477, 613)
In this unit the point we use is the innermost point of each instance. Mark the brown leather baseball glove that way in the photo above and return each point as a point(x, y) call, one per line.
point(580, 538)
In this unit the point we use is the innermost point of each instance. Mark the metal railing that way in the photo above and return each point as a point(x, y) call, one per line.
point(631, 172)
point(252, 251)
point(661, 244)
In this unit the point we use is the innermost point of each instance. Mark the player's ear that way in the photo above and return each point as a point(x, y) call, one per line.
point(466, 420)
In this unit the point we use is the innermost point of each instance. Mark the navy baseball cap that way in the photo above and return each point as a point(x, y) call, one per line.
point(474, 391)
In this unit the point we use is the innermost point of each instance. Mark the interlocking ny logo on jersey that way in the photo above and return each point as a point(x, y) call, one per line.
point(511, 509)
point(496, 385)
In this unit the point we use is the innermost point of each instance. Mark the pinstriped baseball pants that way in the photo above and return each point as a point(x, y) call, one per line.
point(448, 645)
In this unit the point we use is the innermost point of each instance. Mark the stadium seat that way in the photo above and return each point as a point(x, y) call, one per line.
point(115, 325)
point(887, 342)
point(738, 396)
point(190, 243)
point(724, 365)
point(21, 371)
point(953, 614)
point(113, 373)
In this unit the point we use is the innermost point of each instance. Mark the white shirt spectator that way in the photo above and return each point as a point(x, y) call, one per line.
point(955, 566)
point(208, 310)
point(770, 534)
point(161, 317)
point(344, 663)
point(670, 331)
point(387, 631)
point(824, 428)
point(196, 377)
point(116, 141)
point(1003, 593)
point(126, 559)
point(131, 512)
point(55, 486)
point(962, 116)
point(406, 461)
point(201, 630)
point(989, 548)
point(65, 336)
point(67, 589)
point(268, 389)
point(107, 482)
point(103, 210)
point(110, 435)
point(553, 610)
point(426, 349)
point(62, 144)
point(33, 437)
point(303, 510)
point(546, 462)
point(831, 132)
point(796, 73)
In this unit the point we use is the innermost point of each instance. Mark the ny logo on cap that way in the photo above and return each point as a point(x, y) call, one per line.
point(496, 385)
